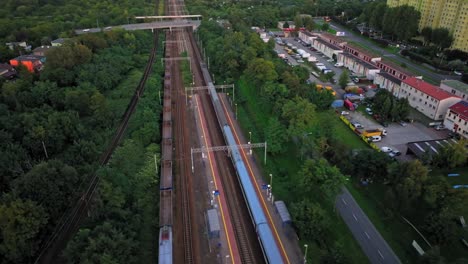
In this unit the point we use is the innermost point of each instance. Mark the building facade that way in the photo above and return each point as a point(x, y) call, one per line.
point(449, 14)
point(455, 87)
point(456, 119)
point(428, 99)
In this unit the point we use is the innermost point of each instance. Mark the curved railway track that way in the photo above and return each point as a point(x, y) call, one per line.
point(73, 219)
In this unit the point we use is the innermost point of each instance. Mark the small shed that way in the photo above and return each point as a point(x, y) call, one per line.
point(213, 223)
point(282, 210)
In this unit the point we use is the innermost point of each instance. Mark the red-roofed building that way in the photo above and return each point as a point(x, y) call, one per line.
point(427, 98)
point(33, 63)
point(456, 118)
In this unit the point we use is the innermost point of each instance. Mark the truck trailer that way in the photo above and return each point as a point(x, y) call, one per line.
point(373, 132)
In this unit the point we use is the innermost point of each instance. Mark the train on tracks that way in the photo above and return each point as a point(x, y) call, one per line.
point(166, 179)
point(269, 247)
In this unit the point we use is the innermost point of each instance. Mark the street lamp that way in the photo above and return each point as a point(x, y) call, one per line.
point(271, 184)
point(305, 254)
point(236, 110)
point(250, 137)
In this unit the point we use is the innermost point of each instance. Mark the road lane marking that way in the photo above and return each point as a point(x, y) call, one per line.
point(380, 254)
point(355, 218)
point(367, 235)
point(344, 201)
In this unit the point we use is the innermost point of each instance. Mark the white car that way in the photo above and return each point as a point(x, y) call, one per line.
point(344, 113)
point(357, 125)
point(394, 153)
point(458, 73)
point(386, 149)
point(369, 111)
point(86, 30)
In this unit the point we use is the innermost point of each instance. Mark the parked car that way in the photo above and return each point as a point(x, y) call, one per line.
point(394, 153)
point(402, 123)
point(458, 73)
point(300, 61)
point(369, 111)
point(344, 113)
point(374, 139)
point(440, 127)
point(357, 125)
point(386, 149)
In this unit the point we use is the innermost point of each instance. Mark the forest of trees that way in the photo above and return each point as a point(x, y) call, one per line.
point(55, 125)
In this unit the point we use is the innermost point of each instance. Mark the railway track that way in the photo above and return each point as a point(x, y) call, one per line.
point(71, 223)
point(250, 251)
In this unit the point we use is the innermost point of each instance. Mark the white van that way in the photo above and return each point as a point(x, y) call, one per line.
point(375, 138)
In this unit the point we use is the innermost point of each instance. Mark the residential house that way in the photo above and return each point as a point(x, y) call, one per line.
point(33, 63)
point(455, 87)
point(7, 71)
point(427, 98)
point(290, 23)
point(58, 42)
point(42, 50)
point(456, 118)
point(21, 44)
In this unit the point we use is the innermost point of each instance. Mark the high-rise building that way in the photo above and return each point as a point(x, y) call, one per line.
point(449, 14)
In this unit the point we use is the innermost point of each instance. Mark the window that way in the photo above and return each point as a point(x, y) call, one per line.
point(440, 116)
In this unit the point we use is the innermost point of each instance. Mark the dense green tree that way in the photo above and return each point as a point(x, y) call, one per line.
point(52, 184)
point(21, 222)
point(103, 243)
point(299, 115)
point(275, 136)
point(407, 180)
point(310, 219)
point(451, 156)
point(370, 166)
point(320, 174)
point(261, 71)
point(343, 79)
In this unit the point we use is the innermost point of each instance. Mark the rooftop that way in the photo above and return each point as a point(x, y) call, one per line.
point(395, 66)
point(428, 88)
point(461, 108)
point(332, 37)
point(457, 85)
point(358, 60)
point(29, 58)
point(431, 147)
point(390, 77)
point(328, 44)
point(362, 50)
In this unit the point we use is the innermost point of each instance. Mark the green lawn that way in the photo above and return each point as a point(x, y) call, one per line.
point(252, 115)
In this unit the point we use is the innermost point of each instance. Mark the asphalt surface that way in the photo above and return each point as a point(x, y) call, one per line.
point(370, 240)
point(423, 70)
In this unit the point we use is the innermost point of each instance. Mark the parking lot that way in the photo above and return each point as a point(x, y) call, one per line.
point(398, 136)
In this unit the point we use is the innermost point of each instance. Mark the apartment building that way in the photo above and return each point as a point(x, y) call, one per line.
point(455, 87)
point(456, 119)
point(449, 14)
point(427, 98)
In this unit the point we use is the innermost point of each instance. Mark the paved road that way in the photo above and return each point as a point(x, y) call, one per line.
point(424, 71)
point(370, 240)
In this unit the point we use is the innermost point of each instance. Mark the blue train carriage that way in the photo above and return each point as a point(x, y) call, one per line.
point(269, 247)
point(165, 245)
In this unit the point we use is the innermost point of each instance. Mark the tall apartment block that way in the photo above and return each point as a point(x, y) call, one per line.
point(449, 14)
